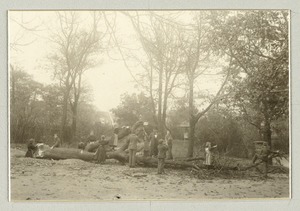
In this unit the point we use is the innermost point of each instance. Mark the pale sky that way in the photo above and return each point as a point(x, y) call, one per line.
point(108, 80)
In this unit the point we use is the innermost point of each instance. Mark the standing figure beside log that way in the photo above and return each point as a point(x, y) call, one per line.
point(133, 140)
point(162, 149)
point(154, 143)
point(208, 157)
point(169, 140)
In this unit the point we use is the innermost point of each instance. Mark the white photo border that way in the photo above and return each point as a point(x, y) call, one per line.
point(262, 204)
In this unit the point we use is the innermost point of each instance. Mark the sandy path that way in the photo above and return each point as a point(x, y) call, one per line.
point(34, 179)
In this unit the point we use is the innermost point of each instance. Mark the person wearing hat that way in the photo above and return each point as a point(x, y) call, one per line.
point(162, 151)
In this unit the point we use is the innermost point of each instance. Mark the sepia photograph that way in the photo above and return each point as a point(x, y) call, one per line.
point(118, 105)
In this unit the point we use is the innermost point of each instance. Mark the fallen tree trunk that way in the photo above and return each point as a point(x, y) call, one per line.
point(68, 153)
point(121, 156)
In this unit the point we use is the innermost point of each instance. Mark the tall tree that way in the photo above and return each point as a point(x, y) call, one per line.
point(161, 41)
point(258, 43)
point(199, 57)
point(76, 45)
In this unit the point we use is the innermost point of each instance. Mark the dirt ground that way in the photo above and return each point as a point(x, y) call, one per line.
point(76, 180)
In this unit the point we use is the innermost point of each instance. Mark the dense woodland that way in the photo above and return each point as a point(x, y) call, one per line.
point(244, 55)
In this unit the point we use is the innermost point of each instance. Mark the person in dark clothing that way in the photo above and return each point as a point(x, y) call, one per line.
point(162, 150)
point(31, 149)
point(154, 137)
point(133, 140)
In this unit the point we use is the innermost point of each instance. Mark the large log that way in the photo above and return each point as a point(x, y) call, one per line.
point(120, 155)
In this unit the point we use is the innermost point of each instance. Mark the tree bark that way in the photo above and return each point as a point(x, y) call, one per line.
point(74, 119)
point(192, 118)
point(65, 111)
point(159, 112)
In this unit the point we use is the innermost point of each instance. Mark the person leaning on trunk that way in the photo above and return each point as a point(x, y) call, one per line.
point(162, 150)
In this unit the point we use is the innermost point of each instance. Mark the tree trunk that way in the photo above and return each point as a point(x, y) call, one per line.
point(192, 119)
point(267, 131)
point(164, 112)
point(191, 142)
point(64, 116)
point(159, 112)
point(74, 119)
point(121, 156)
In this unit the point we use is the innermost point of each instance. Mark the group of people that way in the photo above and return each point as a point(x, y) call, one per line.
point(154, 146)
point(32, 146)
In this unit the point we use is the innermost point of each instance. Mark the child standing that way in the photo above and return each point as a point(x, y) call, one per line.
point(208, 148)
point(162, 149)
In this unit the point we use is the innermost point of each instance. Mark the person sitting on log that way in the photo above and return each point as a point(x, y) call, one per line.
point(162, 150)
point(57, 141)
point(169, 141)
point(208, 148)
point(132, 147)
point(31, 148)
